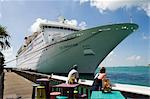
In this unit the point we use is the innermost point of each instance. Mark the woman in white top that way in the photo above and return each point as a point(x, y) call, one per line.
point(73, 75)
point(97, 83)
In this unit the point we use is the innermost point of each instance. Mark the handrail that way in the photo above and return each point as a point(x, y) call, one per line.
point(142, 90)
point(115, 86)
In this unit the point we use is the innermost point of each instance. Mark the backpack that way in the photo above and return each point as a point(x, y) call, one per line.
point(106, 86)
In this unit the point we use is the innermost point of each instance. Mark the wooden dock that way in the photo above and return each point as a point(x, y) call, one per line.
point(16, 87)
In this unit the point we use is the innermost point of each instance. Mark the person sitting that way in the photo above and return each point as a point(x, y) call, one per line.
point(73, 75)
point(97, 83)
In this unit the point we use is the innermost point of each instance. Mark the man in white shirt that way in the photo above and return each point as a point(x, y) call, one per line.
point(73, 75)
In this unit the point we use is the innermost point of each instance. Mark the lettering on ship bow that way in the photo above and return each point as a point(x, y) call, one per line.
point(69, 46)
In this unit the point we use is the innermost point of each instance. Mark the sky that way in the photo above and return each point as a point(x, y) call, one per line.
point(21, 18)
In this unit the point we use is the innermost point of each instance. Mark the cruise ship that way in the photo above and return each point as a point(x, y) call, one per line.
point(58, 46)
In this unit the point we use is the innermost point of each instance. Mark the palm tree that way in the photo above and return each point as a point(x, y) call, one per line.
point(3, 45)
point(4, 38)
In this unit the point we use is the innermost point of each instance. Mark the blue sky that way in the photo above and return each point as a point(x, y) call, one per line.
point(19, 16)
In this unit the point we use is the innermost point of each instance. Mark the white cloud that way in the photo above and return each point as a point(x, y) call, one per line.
point(145, 37)
point(83, 1)
point(35, 26)
point(74, 22)
point(112, 5)
point(0, 15)
point(71, 22)
point(134, 58)
point(9, 55)
point(7, 52)
point(138, 58)
point(146, 8)
point(110, 59)
point(82, 25)
point(111, 54)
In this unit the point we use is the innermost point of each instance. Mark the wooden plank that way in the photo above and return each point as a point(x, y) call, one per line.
point(16, 86)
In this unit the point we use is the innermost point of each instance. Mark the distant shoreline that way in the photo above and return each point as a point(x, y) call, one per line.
point(127, 66)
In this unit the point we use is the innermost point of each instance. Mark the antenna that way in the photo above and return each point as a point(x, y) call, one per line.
point(61, 19)
point(130, 16)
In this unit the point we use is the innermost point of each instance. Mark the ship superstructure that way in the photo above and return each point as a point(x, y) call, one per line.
point(58, 46)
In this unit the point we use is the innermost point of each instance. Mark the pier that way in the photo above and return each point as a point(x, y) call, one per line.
point(18, 84)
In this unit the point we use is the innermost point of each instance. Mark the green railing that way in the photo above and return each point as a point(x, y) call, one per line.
point(32, 76)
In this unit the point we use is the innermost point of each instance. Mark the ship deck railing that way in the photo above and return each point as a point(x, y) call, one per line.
point(127, 90)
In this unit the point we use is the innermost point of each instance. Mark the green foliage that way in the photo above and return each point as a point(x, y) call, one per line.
point(4, 36)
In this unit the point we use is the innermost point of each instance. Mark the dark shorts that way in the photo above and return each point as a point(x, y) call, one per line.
point(97, 85)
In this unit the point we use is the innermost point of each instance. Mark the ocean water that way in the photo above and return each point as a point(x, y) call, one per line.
point(137, 75)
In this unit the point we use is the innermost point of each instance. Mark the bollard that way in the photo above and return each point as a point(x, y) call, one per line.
point(33, 91)
point(41, 94)
point(45, 82)
point(75, 92)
